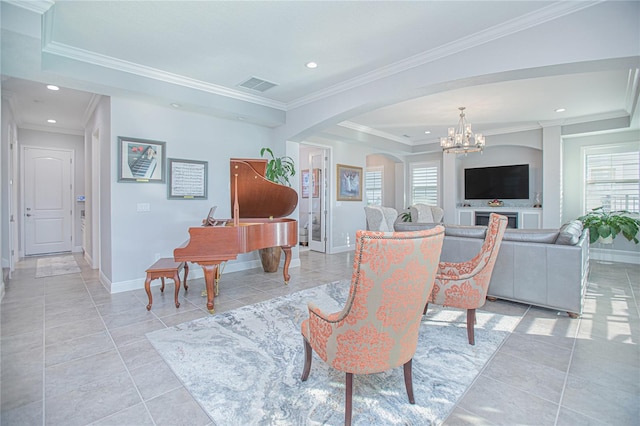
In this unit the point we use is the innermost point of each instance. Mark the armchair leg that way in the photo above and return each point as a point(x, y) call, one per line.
point(471, 320)
point(408, 382)
point(307, 360)
point(348, 399)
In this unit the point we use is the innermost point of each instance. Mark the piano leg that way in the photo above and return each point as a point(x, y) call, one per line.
point(210, 273)
point(287, 261)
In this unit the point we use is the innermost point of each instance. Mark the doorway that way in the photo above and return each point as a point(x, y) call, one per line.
point(313, 207)
point(47, 203)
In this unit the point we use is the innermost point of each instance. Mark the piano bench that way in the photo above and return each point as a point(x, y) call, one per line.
point(166, 268)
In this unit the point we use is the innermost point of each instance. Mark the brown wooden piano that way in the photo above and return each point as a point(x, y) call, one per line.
point(259, 207)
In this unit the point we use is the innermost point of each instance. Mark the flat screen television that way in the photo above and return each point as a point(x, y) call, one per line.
point(501, 182)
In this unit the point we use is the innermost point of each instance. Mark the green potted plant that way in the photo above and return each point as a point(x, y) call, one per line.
point(605, 226)
point(279, 170)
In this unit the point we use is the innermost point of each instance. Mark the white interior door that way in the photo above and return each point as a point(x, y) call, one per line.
point(47, 200)
point(317, 201)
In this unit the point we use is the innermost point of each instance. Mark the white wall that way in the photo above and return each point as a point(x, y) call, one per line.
point(98, 249)
point(139, 237)
point(7, 120)
point(75, 143)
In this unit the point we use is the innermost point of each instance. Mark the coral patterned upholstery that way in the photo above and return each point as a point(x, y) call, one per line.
point(393, 274)
point(464, 285)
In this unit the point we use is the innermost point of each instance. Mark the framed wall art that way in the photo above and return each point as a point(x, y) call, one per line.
point(349, 183)
point(304, 183)
point(187, 179)
point(141, 160)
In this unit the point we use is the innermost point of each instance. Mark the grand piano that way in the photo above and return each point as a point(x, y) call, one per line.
point(259, 208)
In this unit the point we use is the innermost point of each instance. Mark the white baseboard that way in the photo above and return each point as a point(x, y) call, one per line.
point(342, 249)
point(195, 272)
point(621, 256)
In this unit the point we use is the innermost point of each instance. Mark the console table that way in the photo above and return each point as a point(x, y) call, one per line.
point(519, 217)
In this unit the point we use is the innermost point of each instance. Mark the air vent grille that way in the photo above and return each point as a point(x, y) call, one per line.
point(257, 84)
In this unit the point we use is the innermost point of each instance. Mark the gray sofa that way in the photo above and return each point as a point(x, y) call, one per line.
point(541, 267)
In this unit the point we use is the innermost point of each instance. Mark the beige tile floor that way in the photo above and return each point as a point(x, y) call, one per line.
point(73, 354)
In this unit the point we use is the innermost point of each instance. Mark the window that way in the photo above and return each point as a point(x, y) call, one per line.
point(423, 182)
point(612, 177)
point(373, 185)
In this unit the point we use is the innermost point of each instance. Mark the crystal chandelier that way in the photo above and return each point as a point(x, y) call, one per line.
point(462, 140)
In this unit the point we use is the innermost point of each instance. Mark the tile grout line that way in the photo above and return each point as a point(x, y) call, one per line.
point(119, 354)
point(484, 367)
point(44, 353)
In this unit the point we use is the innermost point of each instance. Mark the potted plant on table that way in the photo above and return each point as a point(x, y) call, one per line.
point(605, 226)
point(279, 170)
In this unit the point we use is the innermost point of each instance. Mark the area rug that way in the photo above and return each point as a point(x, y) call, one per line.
point(58, 265)
point(244, 366)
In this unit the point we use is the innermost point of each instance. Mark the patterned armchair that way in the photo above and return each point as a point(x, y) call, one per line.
point(464, 285)
point(393, 274)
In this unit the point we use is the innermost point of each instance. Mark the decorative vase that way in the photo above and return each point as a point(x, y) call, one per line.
point(607, 240)
point(270, 258)
point(537, 203)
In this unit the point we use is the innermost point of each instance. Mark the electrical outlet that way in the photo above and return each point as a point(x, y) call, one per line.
point(143, 207)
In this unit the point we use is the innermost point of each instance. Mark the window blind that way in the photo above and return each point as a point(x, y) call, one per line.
point(612, 181)
point(373, 187)
point(424, 184)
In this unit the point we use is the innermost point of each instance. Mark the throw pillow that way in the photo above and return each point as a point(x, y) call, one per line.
point(570, 233)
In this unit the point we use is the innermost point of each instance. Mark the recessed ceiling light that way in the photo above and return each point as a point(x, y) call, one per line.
point(427, 132)
point(52, 87)
point(311, 65)
point(175, 105)
point(561, 110)
point(51, 121)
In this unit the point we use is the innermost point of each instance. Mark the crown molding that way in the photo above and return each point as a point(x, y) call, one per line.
point(52, 129)
point(74, 53)
point(37, 6)
point(538, 17)
point(371, 131)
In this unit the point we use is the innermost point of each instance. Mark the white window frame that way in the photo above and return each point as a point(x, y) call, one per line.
point(375, 169)
point(609, 149)
point(422, 165)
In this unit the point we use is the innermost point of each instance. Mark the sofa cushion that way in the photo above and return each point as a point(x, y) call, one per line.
point(570, 233)
point(413, 226)
point(544, 236)
point(465, 231)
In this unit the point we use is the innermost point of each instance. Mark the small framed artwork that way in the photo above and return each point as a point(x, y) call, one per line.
point(187, 179)
point(304, 184)
point(349, 183)
point(141, 160)
point(317, 175)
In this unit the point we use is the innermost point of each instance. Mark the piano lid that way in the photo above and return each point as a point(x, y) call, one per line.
point(258, 196)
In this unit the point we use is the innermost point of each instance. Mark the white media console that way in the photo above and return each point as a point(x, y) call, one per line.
point(519, 217)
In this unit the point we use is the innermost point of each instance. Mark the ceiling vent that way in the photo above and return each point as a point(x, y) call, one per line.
point(257, 84)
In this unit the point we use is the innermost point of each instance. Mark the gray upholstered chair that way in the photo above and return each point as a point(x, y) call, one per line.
point(380, 218)
point(423, 213)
